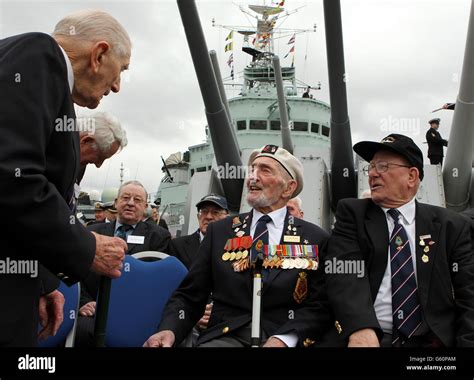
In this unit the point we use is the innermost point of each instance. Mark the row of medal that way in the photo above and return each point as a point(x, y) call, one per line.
point(276, 262)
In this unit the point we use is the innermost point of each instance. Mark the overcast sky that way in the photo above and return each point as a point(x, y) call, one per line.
point(403, 60)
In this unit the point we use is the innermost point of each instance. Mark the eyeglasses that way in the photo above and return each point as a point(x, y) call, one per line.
point(214, 213)
point(127, 198)
point(381, 167)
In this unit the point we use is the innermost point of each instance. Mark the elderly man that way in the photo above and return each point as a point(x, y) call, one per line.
point(294, 207)
point(140, 237)
point(416, 288)
point(101, 136)
point(223, 268)
point(41, 77)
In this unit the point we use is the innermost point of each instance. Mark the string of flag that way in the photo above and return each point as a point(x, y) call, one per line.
point(230, 47)
point(291, 41)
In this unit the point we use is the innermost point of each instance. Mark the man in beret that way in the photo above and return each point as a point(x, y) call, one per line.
point(290, 313)
point(435, 143)
point(417, 287)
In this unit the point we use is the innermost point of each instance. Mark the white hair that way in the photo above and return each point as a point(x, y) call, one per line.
point(106, 129)
point(298, 202)
point(133, 182)
point(93, 26)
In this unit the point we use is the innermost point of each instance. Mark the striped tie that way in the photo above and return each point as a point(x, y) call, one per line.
point(260, 237)
point(406, 307)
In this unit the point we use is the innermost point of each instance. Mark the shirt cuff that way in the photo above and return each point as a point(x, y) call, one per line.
point(289, 339)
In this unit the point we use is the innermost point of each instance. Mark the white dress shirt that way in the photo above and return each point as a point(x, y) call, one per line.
point(383, 301)
point(70, 72)
point(275, 230)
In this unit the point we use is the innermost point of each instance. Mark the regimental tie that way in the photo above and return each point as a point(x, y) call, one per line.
point(260, 237)
point(122, 231)
point(407, 316)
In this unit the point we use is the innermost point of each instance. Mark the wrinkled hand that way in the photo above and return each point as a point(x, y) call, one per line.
point(109, 255)
point(51, 313)
point(88, 310)
point(202, 324)
point(364, 338)
point(274, 342)
point(164, 338)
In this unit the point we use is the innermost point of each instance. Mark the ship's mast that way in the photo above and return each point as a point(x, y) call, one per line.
point(259, 42)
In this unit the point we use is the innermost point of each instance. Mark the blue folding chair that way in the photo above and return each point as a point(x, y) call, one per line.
point(138, 298)
point(67, 330)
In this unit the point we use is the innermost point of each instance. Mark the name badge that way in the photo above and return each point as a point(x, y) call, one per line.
point(291, 239)
point(135, 239)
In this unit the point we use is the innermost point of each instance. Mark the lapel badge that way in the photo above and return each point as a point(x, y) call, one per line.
point(306, 241)
point(425, 258)
point(426, 249)
point(236, 222)
point(308, 342)
point(422, 239)
point(240, 233)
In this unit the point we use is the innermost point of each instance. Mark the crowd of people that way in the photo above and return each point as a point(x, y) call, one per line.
point(414, 286)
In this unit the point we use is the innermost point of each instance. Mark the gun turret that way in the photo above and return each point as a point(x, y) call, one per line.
point(225, 147)
point(343, 183)
point(458, 166)
point(167, 170)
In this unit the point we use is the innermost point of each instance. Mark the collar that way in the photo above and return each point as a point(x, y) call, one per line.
point(201, 236)
point(278, 217)
point(70, 72)
point(408, 211)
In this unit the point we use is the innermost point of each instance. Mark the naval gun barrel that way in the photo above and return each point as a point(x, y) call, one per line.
point(343, 183)
point(220, 84)
point(285, 128)
point(458, 165)
point(226, 149)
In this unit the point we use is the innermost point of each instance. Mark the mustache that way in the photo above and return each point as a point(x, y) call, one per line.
point(253, 183)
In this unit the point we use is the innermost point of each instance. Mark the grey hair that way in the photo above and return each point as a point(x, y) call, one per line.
point(106, 129)
point(92, 26)
point(133, 182)
point(298, 202)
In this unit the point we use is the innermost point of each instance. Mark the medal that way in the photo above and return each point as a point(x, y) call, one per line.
point(226, 256)
point(301, 289)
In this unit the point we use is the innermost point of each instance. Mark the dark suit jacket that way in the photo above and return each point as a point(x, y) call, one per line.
point(38, 167)
point(156, 239)
point(232, 291)
point(185, 248)
point(445, 282)
point(435, 143)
